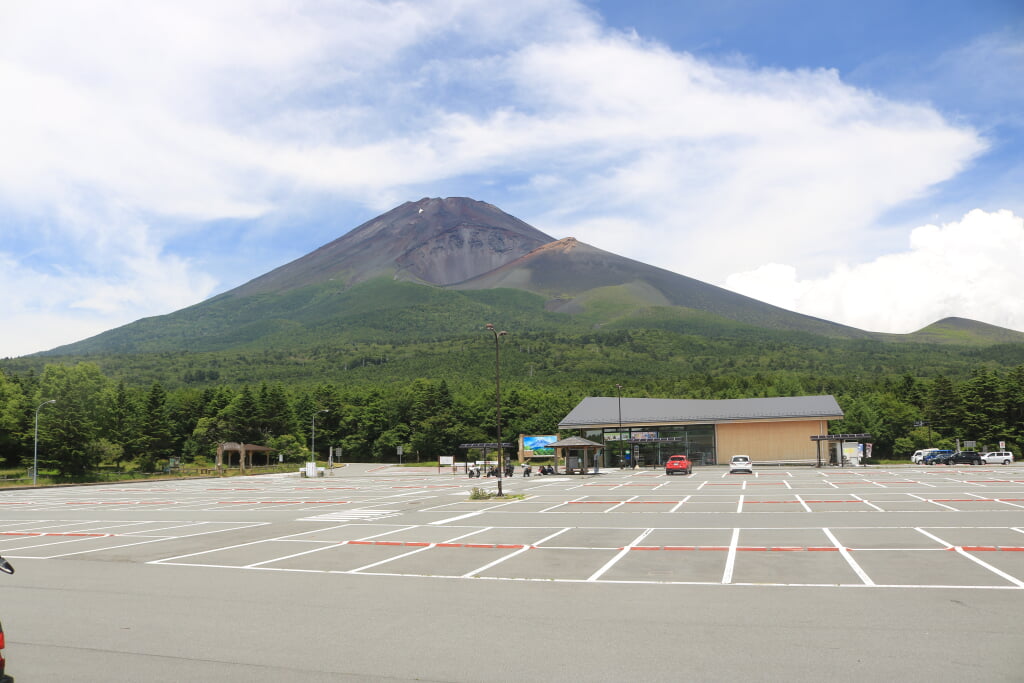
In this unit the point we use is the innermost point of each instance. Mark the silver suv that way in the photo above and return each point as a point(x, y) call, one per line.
point(997, 458)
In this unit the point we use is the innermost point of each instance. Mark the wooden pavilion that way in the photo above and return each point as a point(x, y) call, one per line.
point(577, 453)
point(245, 452)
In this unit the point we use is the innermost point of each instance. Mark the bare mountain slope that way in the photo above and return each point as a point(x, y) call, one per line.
point(435, 241)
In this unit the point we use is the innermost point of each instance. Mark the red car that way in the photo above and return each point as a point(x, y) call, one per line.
point(678, 463)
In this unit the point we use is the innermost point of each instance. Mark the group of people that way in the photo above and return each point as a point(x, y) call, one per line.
point(510, 470)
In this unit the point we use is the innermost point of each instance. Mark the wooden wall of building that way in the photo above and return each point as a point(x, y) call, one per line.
point(787, 440)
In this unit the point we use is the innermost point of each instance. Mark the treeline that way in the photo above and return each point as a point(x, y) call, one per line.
point(86, 419)
point(659, 359)
point(96, 420)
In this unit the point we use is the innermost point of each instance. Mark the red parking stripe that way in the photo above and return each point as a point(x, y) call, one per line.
point(834, 501)
point(979, 547)
point(823, 549)
point(680, 547)
point(1011, 548)
point(645, 547)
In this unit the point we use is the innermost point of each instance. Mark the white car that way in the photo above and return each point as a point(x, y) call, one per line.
point(741, 463)
point(997, 458)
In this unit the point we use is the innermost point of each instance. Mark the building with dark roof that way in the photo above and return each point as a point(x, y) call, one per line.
point(709, 431)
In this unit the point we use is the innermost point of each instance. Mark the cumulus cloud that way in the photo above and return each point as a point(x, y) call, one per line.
point(131, 129)
point(967, 268)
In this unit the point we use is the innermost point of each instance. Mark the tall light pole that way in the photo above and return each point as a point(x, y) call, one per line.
point(35, 444)
point(925, 423)
point(497, 399)
point(618, 392)
point(312, 444)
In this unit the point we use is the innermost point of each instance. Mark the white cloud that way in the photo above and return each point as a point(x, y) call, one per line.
point(968, 268)
point(128, 125)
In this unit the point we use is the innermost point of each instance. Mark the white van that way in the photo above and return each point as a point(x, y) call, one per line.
point(997, 458)
point(918, 457)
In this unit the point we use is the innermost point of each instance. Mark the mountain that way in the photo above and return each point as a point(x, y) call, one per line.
point(965, 332)
point(436, 268)
point(432, 241)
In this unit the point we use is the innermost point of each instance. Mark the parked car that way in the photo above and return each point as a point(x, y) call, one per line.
point(934, 457)
point(997, 458)
point(678, 463)
point(918, 456)
point(741, 463)
point(959, 458)
point(6, 568)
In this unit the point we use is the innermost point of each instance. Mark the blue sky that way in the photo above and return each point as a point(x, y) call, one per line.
point(820, 156)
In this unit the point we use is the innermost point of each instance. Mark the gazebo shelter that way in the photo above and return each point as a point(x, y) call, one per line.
point(245, 452)
point(577, 453)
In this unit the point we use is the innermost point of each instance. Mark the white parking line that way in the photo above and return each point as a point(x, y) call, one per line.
point(455, 519)
point(620, 504)
point(998, 572)
point(498, 561)
point(866, 502)
point(680, 503)
point(622, 553)
point(849, 559)
point(927, 500)
point(730, 559)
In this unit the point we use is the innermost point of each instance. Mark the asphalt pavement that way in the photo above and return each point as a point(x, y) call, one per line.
point(383, 573)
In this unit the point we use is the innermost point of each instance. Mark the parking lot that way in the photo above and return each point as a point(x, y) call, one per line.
point(907, 528)
point(926, 535)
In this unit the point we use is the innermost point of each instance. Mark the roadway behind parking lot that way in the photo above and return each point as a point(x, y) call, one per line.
point(387, 574)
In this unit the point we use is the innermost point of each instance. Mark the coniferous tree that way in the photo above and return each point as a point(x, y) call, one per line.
point(67, 433)
point(122, 426)
point(157, 438)
point(943, 407)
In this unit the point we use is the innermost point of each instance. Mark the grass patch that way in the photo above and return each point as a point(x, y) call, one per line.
point(477, 493)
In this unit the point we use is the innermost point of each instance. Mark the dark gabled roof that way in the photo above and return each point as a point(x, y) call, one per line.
point(575, 442)
point(602, 410)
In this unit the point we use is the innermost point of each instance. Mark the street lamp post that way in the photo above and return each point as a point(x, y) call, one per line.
point(618, 392)
point(497, 399)
point(35, 443)
point(925, 423)
point(312, 444)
